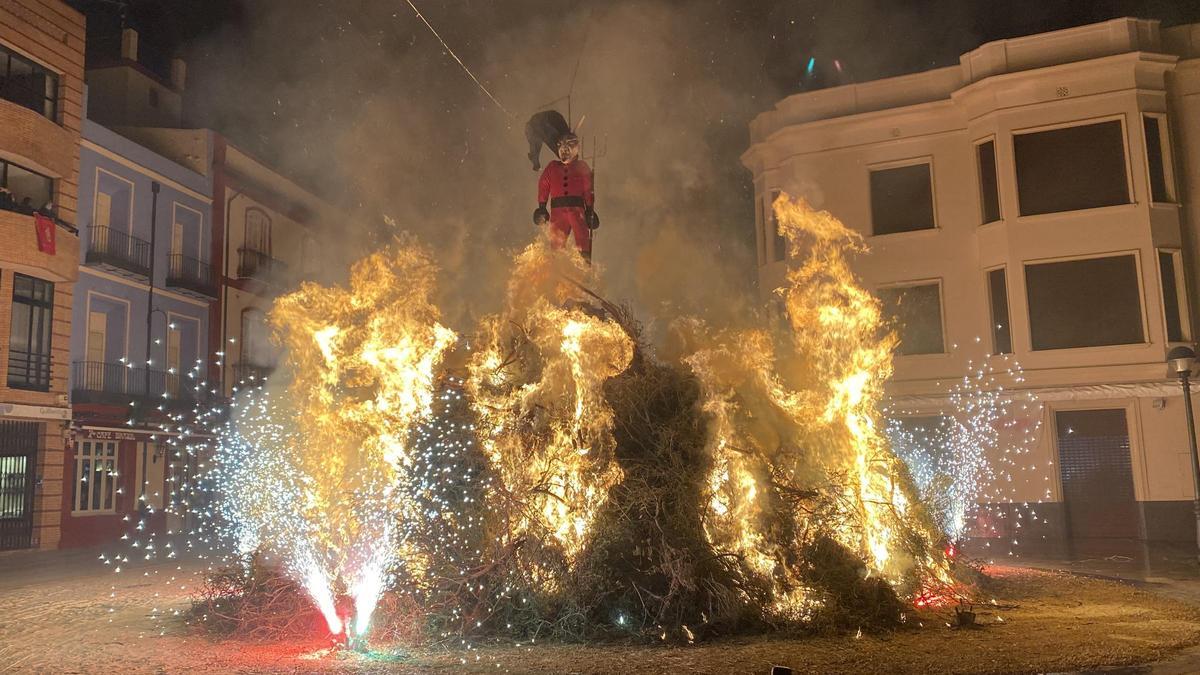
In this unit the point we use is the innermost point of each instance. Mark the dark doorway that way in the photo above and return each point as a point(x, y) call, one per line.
point(18, 457)
point(1097, 474)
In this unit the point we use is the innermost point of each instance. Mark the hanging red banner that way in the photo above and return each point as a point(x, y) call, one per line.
point(45, 233)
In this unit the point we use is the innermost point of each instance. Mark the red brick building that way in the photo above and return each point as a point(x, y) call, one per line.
point(41, 103)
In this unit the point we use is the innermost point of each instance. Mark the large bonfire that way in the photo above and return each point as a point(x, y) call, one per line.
point(551, 473)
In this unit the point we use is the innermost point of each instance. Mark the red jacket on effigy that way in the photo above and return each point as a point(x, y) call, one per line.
point(568, 189)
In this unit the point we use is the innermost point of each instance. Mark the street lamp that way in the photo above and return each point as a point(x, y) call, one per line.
point(1181, 360)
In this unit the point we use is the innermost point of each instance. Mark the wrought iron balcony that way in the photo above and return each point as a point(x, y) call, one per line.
point(191, 277)
point(118, 252)
point(250, 374)
point(28, 370)
point(259, 265)
point(122, 383)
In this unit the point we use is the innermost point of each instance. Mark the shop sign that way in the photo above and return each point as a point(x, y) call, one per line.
point(106, 435)
point(37, 412)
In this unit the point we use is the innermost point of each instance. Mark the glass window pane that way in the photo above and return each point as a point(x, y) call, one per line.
point(902, 199)
point(988, 190)
point(1084, 303)
point(27, 185)
point(109, 483)
point(22, 286)
point(1080, 167)
point(1154, 157)
point(917, 313)
point(28, 84)
point(97, 481)
point(998, 294)
point(85, 472)
point(1170, 295)
point(20, 337)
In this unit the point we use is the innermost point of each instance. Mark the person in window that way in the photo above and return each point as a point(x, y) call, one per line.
point(47, 210)
point(27, 206)
point(566, 184)
point(7, 202)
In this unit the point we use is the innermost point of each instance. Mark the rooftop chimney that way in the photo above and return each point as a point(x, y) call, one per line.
point(178, 74)
point(129, 44)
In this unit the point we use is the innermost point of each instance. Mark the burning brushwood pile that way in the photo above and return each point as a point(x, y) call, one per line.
point(553, 475)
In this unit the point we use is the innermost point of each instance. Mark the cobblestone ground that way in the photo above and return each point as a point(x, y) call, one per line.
point(66, 612)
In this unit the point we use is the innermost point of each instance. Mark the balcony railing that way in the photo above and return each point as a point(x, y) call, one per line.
point(121, 383)
point(28, 370)
point(124, 254)
point(255, 264)
point(250, 374)
point(191, 276)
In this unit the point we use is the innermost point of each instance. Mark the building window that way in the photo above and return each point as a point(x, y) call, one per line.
point(761, 235)
point(1157, 153)
point(114, 203)
point(778, 241)
point(989, 190)
point(23, 190)
point(1073, 168)
point(1084, 303)
point(29, 339)
point(258, 231)
point(998, 300)
point(96, 476)
point(902, 199)
point(28, 84)
point(916, 312)
point(1170, 273)
point(256, 347)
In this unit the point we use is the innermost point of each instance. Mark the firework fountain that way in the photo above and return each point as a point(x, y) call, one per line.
point(317, 470)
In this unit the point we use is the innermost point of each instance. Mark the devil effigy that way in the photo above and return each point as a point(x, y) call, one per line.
point(566, 184)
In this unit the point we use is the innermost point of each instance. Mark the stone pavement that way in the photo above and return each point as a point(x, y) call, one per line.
point(1166, 570)
point(91, 616)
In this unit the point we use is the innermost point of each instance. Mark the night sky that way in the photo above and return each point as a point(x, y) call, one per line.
point(358, 100)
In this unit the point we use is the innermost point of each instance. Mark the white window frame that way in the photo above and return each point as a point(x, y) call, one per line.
point(979, 178)
point(899, 164)
point(1141, 282)
point(109, 479)
point(987, 289)
point(128, 314)
point(1164, 141)
point(1181, 295)
point(175, 208)
point(941, 310)
point(96, 200)
point(1129, 191)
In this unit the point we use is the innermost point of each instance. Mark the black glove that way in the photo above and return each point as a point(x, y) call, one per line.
point(592, 220)
point(540, 214)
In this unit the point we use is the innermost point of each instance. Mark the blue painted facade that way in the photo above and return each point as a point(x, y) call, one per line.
point(111, 386)
point(120, 177)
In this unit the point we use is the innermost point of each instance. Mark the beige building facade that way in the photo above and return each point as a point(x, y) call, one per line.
point(1032, 205)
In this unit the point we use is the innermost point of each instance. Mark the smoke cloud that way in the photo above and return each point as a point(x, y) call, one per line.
point(360, 100)
point(371, 110)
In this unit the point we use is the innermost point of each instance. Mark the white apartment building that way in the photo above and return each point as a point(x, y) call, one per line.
point(1037, 200)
